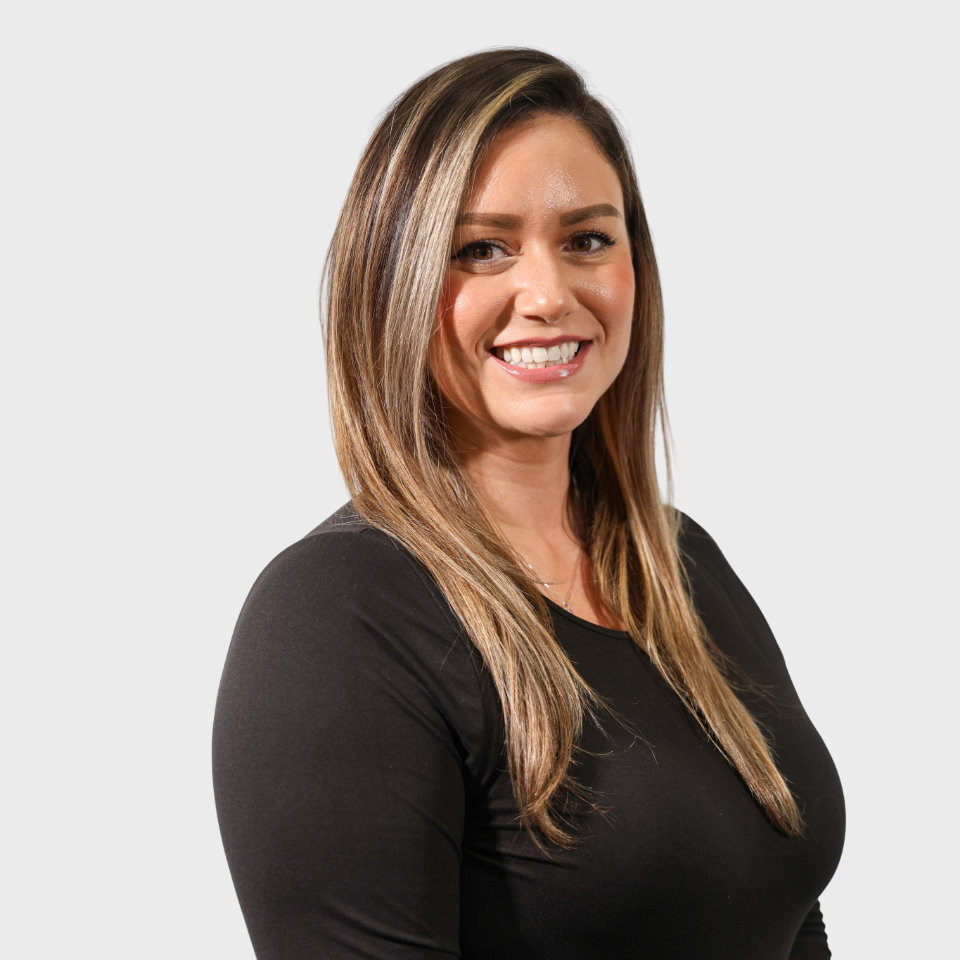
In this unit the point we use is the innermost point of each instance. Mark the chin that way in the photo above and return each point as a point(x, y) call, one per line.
point(557, 424)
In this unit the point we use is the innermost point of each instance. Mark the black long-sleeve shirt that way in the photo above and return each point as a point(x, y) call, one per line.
point(366, 810)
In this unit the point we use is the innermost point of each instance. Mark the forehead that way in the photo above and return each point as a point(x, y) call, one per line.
point(551, 163)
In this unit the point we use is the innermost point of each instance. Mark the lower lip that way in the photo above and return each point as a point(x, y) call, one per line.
point(560, 371)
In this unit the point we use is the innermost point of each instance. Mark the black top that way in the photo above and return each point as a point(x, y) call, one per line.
point(366, 811)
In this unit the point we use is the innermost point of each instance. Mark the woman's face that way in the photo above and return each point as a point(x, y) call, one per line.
point(535, 318)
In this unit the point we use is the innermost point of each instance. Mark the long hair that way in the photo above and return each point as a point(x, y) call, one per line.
point(384, 277)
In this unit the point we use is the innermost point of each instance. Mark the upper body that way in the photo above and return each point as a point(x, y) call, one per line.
point(366, 811)
point(418, 753)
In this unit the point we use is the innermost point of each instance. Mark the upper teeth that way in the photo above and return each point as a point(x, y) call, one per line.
point(531, 357)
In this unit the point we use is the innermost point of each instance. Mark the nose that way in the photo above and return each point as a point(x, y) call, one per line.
point(544, 291)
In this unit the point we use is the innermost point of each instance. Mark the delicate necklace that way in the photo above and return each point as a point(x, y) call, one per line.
point(565, 603)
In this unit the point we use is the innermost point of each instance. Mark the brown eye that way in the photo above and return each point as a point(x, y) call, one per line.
point(480, 251)
point(588, 243)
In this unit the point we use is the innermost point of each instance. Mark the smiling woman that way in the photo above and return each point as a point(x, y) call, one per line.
point(543, 269)
point(507, 702)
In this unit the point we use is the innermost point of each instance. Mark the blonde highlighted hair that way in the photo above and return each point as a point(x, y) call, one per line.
point(384, 276)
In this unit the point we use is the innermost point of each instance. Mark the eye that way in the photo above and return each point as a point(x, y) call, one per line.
point(590, 242)
point(480, 251)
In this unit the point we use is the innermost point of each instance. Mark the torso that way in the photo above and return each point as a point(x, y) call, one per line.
point(364, 798)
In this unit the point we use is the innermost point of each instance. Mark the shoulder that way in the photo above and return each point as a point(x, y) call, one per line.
point(702, 559)
point(729, 612)
point(696, 545)
point(348, 609)
point(347, 560)
point(349, 585)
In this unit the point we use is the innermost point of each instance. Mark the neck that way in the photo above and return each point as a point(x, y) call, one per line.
point(524, 487)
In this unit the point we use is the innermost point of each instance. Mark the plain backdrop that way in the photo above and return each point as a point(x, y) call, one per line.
point(171, 176)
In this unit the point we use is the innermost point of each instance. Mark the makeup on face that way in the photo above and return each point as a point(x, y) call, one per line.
point(535, 321)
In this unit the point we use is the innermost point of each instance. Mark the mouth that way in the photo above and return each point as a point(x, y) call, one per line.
point(534, 356)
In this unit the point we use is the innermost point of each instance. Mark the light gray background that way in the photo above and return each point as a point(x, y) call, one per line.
point(171, 177)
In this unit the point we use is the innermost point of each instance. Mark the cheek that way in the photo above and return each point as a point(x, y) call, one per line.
point(443, 342)
point(614, 296)
point(468, 315)
point(455, 339)
point(613, 285)
point(441, 358)
point(623, 288)
point(618, 325)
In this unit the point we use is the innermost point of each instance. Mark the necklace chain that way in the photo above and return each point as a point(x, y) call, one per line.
point(565, 603)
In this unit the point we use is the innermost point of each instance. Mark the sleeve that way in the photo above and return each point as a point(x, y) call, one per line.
point(811, 939)
point(339, 781)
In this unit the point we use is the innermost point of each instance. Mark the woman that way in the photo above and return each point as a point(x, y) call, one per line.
point(507, 703)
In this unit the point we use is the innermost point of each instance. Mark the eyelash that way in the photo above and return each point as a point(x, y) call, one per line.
point(605, 239)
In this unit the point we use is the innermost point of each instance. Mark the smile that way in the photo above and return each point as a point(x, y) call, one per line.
point(527, 357)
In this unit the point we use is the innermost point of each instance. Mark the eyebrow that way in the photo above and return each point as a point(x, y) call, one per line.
point(501, 221)
point(506, 221)
point(588, 213)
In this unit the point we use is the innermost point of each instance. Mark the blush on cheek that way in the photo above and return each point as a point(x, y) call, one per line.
point(624, 284)
point(615, 288)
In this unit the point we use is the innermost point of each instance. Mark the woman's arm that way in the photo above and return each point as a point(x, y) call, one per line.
point(811, 941)
point(339, 782)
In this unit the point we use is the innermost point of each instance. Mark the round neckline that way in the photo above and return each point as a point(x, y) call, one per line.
point(588, 624)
